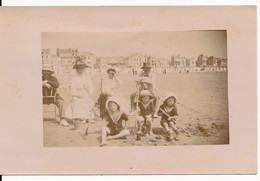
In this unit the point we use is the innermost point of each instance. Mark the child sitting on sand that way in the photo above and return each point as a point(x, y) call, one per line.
point(116, 127)
point(145, 113)
point(168, 112)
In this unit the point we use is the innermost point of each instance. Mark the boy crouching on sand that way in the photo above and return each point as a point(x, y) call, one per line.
point(116, 127)
point(169, 114)
point(145, 113)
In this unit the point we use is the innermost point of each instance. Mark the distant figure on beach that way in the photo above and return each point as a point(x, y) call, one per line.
point(49, 82)
point(145, 81)
point(110, 87)
point(116, 118)
point(169, 114)
point(146, 112)
point(82, 104)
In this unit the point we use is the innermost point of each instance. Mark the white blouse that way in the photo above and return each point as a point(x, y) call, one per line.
point(111, 86)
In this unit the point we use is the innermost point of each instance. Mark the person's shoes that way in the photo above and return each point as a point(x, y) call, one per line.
point(103, 143)
point(63, 122)
point(155, 115)
point(177, 138)
point(171, 137)
point(168, 136)
point(151, 133)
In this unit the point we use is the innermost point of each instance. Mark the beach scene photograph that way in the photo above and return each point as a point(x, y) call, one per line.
point(102, 89)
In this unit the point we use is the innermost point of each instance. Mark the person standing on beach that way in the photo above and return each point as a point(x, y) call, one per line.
point(50, 82)
point(110, 87)
point(80, 110)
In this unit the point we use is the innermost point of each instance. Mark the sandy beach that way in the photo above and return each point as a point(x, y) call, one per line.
point(202, 106)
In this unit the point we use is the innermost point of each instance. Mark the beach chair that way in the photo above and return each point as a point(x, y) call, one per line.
point(49, 98)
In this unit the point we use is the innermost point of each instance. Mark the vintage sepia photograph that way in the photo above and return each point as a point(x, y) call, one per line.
point(128, 90)
point(135, 88)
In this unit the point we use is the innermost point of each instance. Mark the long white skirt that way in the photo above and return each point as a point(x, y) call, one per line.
point(80, 108)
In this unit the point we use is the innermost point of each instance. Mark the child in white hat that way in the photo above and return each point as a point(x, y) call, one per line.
point(145, 113)
point(116, 118)
point(169, 114)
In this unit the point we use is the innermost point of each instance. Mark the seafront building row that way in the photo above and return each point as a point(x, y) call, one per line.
point(63, 59)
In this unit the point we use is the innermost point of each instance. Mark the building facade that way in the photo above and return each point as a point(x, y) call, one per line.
point(67, 58)
point(45, 56)
point(178, 61)
point(137, 59)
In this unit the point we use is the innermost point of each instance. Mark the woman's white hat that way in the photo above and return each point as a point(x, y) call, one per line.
point(170, 94)
point(79, 63)
point(113, 99)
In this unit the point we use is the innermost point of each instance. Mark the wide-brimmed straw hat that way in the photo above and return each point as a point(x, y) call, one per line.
point(113, 99)
point(168, 95)
point(146, 65)
point(79, 63)
point(145, 93)
point(47, 67)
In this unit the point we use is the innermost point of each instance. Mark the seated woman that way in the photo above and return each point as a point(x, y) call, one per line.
point(109, 87)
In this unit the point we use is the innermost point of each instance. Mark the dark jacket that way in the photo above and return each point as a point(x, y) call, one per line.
point(173, 112)
point(47, 92)
point(144, 111)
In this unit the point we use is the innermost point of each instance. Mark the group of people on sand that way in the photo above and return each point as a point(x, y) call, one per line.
point(113, 107)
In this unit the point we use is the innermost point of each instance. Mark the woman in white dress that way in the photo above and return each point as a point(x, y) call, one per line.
point(82, 89)
point(110, 88)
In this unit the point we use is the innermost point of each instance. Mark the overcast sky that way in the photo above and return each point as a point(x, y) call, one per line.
point(159, 44)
